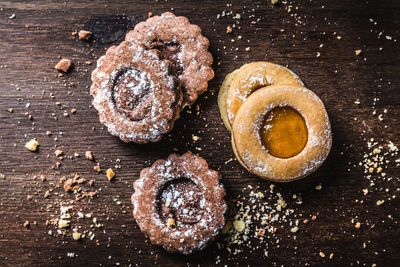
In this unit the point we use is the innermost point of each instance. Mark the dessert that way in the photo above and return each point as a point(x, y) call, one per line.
point(248, 79)
point(282, 133)
point(179, 203)
point(181, 43)
point(223, 96)
point(136, 96)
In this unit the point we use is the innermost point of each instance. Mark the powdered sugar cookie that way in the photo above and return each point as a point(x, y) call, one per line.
point(183, 44)
point(282, 133)
point(136, 97)
point(253, 76)
point(223, 96)
point(179, 203)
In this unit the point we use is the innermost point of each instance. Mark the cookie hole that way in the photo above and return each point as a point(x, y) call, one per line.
point(284, 132)
point(170, 51)
point(132, 91)
point(180, 202)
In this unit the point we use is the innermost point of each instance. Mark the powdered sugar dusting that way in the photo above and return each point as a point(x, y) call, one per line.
point(134, 94)
point(192, 60)
point(161, 194)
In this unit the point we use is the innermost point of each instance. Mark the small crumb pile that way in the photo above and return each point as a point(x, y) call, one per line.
point(376, 161)
point(255, 219)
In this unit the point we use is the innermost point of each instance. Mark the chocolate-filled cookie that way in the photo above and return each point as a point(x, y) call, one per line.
point(136, 97)
point(179, 203)
point(183, 44)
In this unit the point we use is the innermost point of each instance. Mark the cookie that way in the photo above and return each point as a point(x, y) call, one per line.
point(282, 133)
point(136, 96)
point(223, 96)
point(179, 203)
point(251, 77)
point(181, 43)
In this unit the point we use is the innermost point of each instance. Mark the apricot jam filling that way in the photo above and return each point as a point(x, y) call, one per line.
point(284, 132)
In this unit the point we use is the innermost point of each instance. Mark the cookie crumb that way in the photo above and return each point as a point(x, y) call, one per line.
point(85, 35)
point(358, 225)
point(318, 187)
point(229, 29)
point(64, 65)
point(89, 155)
point(149, 15)
point(68, 185)
point(358, 52)
point(261, 232)
point(239, 225)
point(274, 2)
point(380, 202)
point(248, 49)
point(32, 145)
point(73, 111)
point(63, 223)
point(97, 168)
point(10, 110)
point(321, 254)
point(58, 153)
point(237, 16)
point(110, 174)
point(76, 236)
point(27, 224)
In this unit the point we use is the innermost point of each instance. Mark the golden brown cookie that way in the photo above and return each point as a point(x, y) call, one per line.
point(183, 44)
point(223, 96)
point(136, 96)
point(253, 76)
point(179, 203)
point(282, 133)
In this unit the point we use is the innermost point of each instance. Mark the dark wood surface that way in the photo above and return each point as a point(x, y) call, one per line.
point(306, 39)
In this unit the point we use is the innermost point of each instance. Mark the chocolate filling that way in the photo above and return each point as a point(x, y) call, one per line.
point(170, 51)
point(132, 91)
point(181, 200)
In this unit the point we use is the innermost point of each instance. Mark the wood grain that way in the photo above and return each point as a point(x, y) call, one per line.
point(304, 39)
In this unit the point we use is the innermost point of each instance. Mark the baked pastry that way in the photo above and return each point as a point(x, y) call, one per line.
point(136, 96)
point(179, 203)
point(282, 133)
point(248, 79)
point(181, 43)
point(223, 96)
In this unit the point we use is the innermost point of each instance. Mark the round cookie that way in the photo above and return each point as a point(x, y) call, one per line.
point(179, 203)
point(183, 44)
point(223, 96)
point(253, 76)
point(136, 97)
point(250, 148)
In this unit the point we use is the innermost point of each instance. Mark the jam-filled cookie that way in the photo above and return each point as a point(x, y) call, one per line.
point(282, 133)
point(248, 79)
point(136, 96)
point(183, 44)
point(179, 203)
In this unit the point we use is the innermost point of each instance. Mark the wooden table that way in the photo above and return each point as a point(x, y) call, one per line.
point(315, 39)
